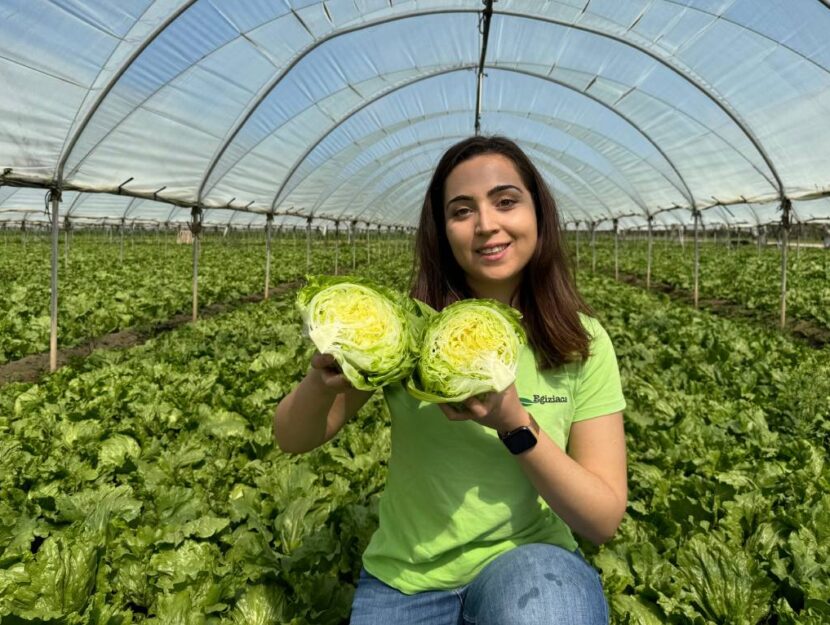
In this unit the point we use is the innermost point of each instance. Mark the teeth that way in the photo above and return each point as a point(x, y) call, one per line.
point(492, 250)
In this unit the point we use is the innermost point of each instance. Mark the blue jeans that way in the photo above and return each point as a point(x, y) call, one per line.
point(532, 584)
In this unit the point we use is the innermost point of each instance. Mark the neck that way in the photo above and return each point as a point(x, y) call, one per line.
point(499, 291)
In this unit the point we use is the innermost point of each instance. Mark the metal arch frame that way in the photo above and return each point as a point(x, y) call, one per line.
point(333, 190)
point(184, 7)
point(68, 147)
point(566, 168)
point(743, 126)
point(758, 33)
point(636, 159)
point(178, 12)
point(536, 118)
point(264, 92)
point(299, 161)
point(625, 118)
point(733, 116)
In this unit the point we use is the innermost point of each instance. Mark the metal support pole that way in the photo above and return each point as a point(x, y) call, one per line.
point(196, 230)
point(577, 247)
point(308, 245)
point(368, 245)
point(121, 253)
point(649, 253)
point(55, 197)
point(353, 240)
point(797, 242)
point(336, 246)
point(616, 249)
point(66, 226)
point(268, 222)
point(786, 206)
point(696, 269)
point(593, 248)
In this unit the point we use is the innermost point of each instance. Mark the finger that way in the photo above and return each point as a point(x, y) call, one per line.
point(335, 380)
point(452, 414)
point(324, 361)
point(476, 408)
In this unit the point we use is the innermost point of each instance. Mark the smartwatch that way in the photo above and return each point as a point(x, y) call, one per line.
point(519, 440)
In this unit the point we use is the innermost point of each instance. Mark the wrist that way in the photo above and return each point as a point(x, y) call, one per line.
point(522, 419)
point(522, 438)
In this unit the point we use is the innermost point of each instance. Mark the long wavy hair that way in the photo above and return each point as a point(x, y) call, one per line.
point(547, 298)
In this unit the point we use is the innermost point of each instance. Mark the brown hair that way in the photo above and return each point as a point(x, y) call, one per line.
point(548, 299)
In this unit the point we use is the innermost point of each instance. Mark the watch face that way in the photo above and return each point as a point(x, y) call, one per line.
point(520, 440)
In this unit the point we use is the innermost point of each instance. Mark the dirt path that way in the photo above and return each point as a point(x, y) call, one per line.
point(814, 334)
point(31, 368)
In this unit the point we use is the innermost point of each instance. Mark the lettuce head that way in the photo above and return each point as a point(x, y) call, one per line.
point(470, 348)
point(373, 332)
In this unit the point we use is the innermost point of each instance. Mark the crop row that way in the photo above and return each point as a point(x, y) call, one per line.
point(738, 274)
point(105, 287)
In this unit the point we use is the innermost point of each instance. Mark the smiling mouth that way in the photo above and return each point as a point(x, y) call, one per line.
point(492, 250)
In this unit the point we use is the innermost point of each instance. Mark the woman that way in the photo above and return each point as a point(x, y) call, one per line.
point(477, 516)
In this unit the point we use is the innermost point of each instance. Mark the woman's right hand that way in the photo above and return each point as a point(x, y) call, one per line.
point(330, 373)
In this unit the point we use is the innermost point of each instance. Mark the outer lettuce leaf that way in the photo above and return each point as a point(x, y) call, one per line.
point(372, 331)
point(469, 348)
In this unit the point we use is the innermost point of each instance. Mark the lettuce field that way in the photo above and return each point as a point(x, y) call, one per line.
point(142, 485)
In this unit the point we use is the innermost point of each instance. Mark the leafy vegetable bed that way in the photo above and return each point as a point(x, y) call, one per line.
point(143, 486)
point(728, 431)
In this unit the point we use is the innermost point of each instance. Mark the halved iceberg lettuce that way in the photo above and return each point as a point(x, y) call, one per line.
point(469, 348)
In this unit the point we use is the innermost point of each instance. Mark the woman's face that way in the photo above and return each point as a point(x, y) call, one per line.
point(490, 221)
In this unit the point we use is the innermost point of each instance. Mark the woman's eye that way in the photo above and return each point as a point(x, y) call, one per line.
point(462, 212)
point(506, 202)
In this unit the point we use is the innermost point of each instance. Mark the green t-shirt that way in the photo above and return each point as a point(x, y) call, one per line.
point(455, 498)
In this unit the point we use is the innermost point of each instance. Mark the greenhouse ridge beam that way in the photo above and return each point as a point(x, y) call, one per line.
point(486, 15)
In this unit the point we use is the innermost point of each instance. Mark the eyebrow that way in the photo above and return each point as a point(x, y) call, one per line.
point(495, 190)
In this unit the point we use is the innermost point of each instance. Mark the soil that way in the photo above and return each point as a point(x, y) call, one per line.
point(31, 368)
point(813, 334)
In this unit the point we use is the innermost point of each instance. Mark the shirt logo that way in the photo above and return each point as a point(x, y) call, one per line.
point(543, 399)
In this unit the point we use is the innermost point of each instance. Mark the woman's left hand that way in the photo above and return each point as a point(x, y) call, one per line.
point(500, 411)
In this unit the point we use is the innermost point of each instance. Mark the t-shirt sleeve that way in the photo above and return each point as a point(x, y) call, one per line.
point(598, 389)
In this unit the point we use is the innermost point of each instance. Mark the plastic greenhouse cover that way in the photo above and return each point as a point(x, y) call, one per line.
point(340, 109)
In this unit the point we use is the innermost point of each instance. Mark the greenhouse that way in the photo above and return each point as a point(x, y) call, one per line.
point(173, 171)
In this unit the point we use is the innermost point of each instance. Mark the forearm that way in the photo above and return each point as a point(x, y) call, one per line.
point(301, 418)
point(582, 499)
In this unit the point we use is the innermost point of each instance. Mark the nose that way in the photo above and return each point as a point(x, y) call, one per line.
point(486, 223)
